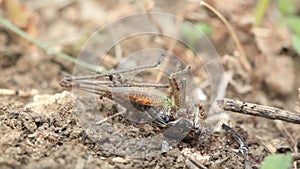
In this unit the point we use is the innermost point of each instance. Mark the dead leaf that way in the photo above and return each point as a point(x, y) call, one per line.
point(235, 68)
point(270, 41)
point(17, 13)
point(24, 18)
point(279, 74)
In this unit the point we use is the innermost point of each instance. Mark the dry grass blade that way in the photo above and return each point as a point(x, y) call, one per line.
point(298, 103)
point(243, 58)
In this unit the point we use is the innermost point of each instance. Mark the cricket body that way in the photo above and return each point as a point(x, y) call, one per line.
point(110, 84)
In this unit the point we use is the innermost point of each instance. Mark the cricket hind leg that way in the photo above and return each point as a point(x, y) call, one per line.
point(118, 81)
point(178, 86)
point(114, 78)
point(187, 108)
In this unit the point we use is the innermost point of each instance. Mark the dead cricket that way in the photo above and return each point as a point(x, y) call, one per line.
point(166, 110)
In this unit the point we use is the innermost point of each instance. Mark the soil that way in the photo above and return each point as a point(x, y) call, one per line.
point(45, 130)
point(51, 136)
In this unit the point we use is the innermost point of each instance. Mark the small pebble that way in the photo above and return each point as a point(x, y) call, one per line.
point(215, 156)
point(165, 147)
point(103, 158)
point(120, 160)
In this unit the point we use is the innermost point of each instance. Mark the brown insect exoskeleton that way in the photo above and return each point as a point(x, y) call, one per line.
point(166, 109)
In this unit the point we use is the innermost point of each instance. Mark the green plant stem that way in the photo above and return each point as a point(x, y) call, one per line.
point(46, 47)
point(260, 10)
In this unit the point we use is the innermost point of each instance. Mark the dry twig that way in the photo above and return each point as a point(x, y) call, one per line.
point(20, 93)
point(258, 110)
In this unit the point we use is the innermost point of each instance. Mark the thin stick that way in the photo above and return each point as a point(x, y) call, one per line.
point(110, 117)
point(21, 93)
point(258, 110)
point(243, 58)
point(193, 163)
point(283, 130)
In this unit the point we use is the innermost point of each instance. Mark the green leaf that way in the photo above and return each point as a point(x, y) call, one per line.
point(286, 7)
point(192, 33)
point(204, 28)
point(293, 22)
point(277, 161)
point(296, 43)
point(260, 10)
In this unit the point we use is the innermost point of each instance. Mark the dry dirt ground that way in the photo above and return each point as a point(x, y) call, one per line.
point(43, 129)
point(49, 135)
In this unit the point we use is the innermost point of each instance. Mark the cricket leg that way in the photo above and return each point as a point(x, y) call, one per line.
point(108, 83)
point(178, 86)
point(114, 72)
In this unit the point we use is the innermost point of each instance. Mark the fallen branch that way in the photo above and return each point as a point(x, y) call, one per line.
point(258, 110)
